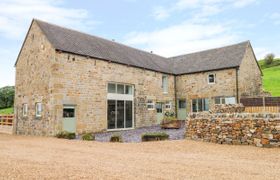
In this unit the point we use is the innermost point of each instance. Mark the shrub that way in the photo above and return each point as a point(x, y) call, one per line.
point(169, 115)
point(269, 58)
point(116, 138)
point(88, 137)
point(156, 136)
point(66, 135)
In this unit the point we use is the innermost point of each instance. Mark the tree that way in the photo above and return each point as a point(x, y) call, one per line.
point(269, 58)
point(7, 95)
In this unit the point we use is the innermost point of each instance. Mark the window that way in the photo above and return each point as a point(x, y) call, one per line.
point(24, 110)
point(211, 78)
point(168, 106)
point(182, 104)
point(120, 88)
point(68, 112)
point(159, 107)
point(128, 89)
point(225, 100)
point(38, 108)
point(199, 105)
point(111, 88)
point(150, 105)
point(165, 83)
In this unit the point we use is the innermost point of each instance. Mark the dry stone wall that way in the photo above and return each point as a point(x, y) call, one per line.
point(261, 130)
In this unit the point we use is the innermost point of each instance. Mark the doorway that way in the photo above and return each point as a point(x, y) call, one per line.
point(182, 109)
point(159, 108)
point(69, 119)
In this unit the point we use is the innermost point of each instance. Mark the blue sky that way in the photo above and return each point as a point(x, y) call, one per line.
point(166, 27)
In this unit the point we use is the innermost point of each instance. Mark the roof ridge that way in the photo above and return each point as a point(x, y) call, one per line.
point(243, 42)
point(103, 39)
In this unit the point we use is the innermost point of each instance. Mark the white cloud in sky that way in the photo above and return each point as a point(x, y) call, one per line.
point(183, 38)
point(200, 8)
point(14, 15)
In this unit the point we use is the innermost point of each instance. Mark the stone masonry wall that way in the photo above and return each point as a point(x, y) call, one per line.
point(249, 76)
point(193, 86)
point(83, 81)
point(261, 130)
point(32, 85)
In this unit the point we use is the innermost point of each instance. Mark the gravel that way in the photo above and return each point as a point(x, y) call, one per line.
point(25, 157)
point(135, 134)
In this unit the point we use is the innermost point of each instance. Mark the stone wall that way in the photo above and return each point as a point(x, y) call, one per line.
point(33, 84)
point(249, 75)
point(83, 81)
point(261, 130)
point(193, 86)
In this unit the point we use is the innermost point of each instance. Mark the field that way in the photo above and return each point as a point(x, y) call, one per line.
point(25, 157)
point(271, 77)
point(7, 111)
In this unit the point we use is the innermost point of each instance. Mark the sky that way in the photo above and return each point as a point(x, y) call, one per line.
point(166, 27)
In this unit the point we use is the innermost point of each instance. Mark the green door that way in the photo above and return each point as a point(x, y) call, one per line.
point(159, 112)
point(182, 109)
point(69, 120)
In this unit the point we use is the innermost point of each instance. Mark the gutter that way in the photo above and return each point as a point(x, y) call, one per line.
point(175, 95)
point(237, 85)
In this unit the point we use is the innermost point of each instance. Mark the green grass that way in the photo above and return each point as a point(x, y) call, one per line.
point(271, 80)
point(276, 62)
point(7, 110)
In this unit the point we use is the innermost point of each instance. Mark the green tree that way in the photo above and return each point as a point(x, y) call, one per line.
point(7, 95)
point(269, 58)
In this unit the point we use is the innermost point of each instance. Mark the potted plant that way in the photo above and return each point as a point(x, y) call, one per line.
point(169, 121)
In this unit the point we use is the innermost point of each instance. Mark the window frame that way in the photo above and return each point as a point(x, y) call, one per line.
point(168, 105)
point(150, 104)
point(164, 84)
point(24, 109)
point(38, 113)
point(214, 77)
point(125, 87)
point(203, 105)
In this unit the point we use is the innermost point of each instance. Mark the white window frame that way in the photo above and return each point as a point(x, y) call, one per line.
point(168, 106)
point(24, 110)
point(38, 109)
point(150, 105)
point(116, 88)
point(202, 104)
point(208, 76)
point(164, 84)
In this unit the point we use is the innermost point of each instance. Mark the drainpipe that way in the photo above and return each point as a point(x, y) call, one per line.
point(237, 85)
point(175, 95)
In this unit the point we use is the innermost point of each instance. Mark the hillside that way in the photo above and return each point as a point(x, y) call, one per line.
point(271, 76)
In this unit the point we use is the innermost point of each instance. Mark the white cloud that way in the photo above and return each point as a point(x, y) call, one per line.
point(7, 71)
point(200, 8)
point(183, 38)
point(16, 15)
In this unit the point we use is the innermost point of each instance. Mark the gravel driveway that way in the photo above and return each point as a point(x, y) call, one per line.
point(25, 157)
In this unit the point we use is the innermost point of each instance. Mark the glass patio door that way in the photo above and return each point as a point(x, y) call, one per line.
point(120, 114)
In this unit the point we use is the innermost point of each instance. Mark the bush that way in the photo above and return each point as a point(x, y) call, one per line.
point(116, 138)
point(156, 136)
point(169, 115)
point(88, 137)
point(269, 58)
point(66, 135)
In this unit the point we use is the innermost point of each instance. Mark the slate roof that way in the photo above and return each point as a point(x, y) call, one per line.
point(87, 45)
point(75, 42)
point(213, 59)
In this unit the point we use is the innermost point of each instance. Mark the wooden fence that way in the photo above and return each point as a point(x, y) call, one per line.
point(261, 104)
point(6, 124)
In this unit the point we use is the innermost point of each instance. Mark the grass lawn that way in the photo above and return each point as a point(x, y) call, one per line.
point(7, 111)
point(271, 80)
